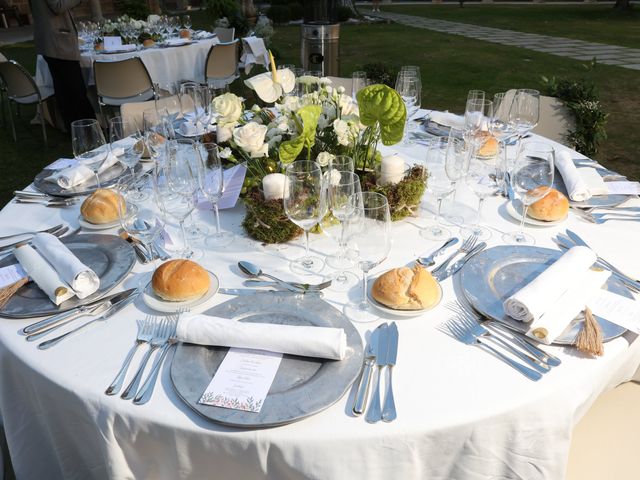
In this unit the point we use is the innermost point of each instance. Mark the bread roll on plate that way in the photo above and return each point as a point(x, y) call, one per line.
point(102, 206)
point(550, 208)
point(180, 281)
point(406, 288)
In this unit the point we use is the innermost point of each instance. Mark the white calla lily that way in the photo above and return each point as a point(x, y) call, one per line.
point(269, 90)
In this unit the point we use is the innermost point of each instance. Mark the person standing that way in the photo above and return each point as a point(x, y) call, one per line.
point(376, 6)
point(56, 40)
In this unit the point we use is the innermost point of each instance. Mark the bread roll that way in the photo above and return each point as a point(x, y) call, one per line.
point(406, 289)
point(102, 206)
point(488, 145)
point(180, 280)
point(553, 206)
point(149, 42)
point(184, 33)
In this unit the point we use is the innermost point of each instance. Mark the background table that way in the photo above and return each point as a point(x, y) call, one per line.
point(461, 412)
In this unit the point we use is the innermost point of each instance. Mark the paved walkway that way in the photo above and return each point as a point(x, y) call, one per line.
point(564, 47)
point(12, 35)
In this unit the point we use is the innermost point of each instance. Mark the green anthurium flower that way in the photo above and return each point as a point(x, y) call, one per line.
point(290, 149)
point(382, 104)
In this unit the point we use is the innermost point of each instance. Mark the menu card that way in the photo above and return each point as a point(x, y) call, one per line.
point(623, 188)
point(112, 43)
point(11, 274)
point(232, 179)
point(617, 309)
point(243, 380)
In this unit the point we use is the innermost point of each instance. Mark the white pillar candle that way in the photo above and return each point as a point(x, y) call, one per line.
point(273, 186)
point(392, 169)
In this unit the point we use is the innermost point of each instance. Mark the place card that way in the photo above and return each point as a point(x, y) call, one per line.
point(11, 274)
point(623, 188)
point(617, 309)
point(112, 43)
point(242, 380)
point(62, 163)
point(233, 178)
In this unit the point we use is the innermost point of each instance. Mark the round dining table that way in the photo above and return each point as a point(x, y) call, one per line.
point(462, 414)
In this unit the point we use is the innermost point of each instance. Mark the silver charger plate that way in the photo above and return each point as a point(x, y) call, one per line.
point(596, 201)
point(109, 256)
point(107, 178)
point(302, 387)
point(495, 274)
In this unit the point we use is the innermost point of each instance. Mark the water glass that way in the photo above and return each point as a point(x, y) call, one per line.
point(484, 182)
point(439, 185)
point(89, 145)
point(359, 81)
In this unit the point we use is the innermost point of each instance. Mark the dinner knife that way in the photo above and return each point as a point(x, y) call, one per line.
point(81, 311)
point(113, 309)
point(440, 276)
point(362, 394)
point(374, 413)
point(389, 411)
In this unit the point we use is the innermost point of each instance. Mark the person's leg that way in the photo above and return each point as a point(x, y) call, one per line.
point(70, 90)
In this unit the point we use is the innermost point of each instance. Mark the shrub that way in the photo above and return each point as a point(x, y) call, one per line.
point(343, 13)
point(222, 8)
point(379, 72)
point(137, 9)
point(296, 11)
point(279, 14)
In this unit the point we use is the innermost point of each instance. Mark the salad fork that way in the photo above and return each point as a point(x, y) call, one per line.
point(466, 247)
point(145, 334)
point(461, 331)
point(603, 217)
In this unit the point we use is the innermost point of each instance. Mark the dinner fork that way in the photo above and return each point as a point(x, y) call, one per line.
point(46, 230)
point(145, 334)
point(146, 390)
point(160, 335)
point(603, 217)
point(305, 286)
point(59, 231)
point(466, 247)
point(461, 332)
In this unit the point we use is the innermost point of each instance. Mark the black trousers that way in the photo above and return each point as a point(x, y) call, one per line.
point(71, 92)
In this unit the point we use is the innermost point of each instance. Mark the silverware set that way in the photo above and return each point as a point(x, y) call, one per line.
point(255, 273)
point(468, 249)
point(628, 214)
point(381, 352)
point(37, 198)
point(514, 349)
point(572, 239)
point(57, 231)
point(159, 335)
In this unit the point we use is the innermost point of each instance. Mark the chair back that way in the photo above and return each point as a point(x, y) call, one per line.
point(556, 120)
point(347, 83)
point(122, 79)
point(133, 111)
point(17, 81)
point(3, 58)
point(222, 61)
point(225, 35)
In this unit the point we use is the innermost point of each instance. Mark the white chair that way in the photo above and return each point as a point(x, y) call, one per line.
point(347, 83)
point(225, 35)
point(21, 89)
point(134, 111)
point(556, 120)
point(221, 66)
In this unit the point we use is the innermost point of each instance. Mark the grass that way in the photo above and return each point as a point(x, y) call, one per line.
point(450, 65)
point(593, 23)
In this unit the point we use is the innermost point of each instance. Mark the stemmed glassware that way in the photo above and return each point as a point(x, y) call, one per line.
point(370, 231)
point(305, 205)
point(456, 167)
point(408, 88)
point(211, 178)
point(525, 110)
point(124, 133)
point(157, 131)
point(89, 145)
point(439, 185)
point(531, 180)
point(483, 181)
point(339, 163)
point(501, 126)
point(476, 119)
point(358, 82)
point(186, 22)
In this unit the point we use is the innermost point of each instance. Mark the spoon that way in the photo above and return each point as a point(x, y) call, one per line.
point(255, 271)
point(430, 260)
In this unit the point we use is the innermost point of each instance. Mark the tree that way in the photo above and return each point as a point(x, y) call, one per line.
point(96, 10)
point(622, 5)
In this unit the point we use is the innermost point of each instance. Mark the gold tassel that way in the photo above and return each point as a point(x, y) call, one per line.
point(590, 337)
point(7, 292)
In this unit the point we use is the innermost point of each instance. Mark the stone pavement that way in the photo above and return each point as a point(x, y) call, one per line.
point(12, 35)
point(564, 47)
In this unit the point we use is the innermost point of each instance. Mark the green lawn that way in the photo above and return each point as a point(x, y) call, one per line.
point(593, 23)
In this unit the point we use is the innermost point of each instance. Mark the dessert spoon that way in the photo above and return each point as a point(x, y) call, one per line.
point(255, 271)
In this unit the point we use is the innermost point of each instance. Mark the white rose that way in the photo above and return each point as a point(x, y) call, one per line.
point(341, 89)
point(275, 141)
point(250, 138)
point(225, 153)
point(324, 158)
point(347, 105)
point(283, 126)
point(290, 103)
point(229, 107)
point(334, 178)
point(224, 133)
point(342, 132)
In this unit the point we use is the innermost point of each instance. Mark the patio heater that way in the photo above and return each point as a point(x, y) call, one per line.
point(320, 37)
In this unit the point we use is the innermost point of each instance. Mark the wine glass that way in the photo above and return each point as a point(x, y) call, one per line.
point(305, 205)
point(358, 82)
point(407, 87)
point(342, 189)
point(475, 94)
point(476, 119)
point(413, 71)
point(439, 185)
point(456, 167)
point(525, 111)
point(186, 22)
point(156, 132)
point(370, 232)
point(531, 180)
point(89, 145)
point(124, 133)
point(343, 163)
point(211, 178)
point(483, 181)
point(502, 128)
point(339, 163)
point(177, 185)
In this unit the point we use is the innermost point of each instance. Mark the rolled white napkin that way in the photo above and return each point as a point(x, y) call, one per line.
point(79, 173)
point(555, 297)
point(71, 270)
point(447, 119)
point(581, 183)
point(43, 274)
point(317, 342)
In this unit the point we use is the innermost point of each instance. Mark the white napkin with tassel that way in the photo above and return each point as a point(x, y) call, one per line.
point(80, 173)
point(307, 341)
point(555, 297)
point(581, 183)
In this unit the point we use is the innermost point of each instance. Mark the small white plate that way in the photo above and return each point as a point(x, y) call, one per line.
point(516, 212)
point(153, 301)
point(97, 226)
point(392, 311)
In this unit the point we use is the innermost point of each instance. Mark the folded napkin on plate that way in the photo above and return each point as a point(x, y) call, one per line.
point(43, 274)
point(555, 297)
point(447, 119)
point(190, 129)
point(79, 173)
point(71, 270)
point(121, 48)
point(581, 183)
point(318, 342)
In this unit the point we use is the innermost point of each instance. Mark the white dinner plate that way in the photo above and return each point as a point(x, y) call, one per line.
point(153, 301)
point(516, 212)
point(392, 311)
point(97, 226)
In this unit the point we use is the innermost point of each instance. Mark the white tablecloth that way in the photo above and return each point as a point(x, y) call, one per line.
point(461, 413)
point(165, 65)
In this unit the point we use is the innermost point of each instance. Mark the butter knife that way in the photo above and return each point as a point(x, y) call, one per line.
point(460, 263)
point(389, 411)
point(360, 403)
point(374, 413)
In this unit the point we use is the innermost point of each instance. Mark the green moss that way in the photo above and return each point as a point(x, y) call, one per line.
point(266, 221)
point(404, 197)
